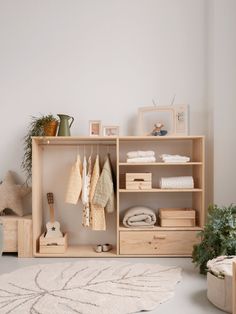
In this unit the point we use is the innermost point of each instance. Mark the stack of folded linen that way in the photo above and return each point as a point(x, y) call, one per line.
point(174, 158)
point(139, 216)
point(141, 156)
point(177, 183)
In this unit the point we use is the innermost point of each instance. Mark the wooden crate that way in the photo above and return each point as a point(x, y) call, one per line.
point(53, 245)
point(177, 217)
point(138, 181)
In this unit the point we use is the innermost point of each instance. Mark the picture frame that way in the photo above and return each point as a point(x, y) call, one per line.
point(95, 127)
point(110, 130)
point(174, 118)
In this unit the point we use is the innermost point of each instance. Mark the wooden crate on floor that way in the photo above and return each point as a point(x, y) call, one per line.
point(177, 217)
point(53, 245)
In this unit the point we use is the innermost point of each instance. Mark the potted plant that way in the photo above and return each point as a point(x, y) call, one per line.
point(218, 237)
point(46, 125)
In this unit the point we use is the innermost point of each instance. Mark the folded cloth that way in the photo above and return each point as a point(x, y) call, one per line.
point(142, 159)
point(141, 153)
point(174, 158)
point(177, 183)
point(139, 216)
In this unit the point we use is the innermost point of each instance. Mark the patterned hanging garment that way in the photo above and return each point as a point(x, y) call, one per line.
point(85, 192)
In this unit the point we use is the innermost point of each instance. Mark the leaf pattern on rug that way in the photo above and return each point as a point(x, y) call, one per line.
point(86, 287)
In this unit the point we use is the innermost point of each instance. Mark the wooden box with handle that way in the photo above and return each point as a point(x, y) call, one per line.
point(138, 181)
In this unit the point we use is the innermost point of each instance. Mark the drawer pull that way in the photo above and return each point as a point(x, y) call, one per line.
point(159, 237)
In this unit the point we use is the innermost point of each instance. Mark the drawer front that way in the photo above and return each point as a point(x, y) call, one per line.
point(10, 231)
point(157, 242)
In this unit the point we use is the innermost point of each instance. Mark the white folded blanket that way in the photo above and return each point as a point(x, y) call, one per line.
point(142, 159)
point(139, 216)
point(177, 183)
point(174, 158)
point(140, 153)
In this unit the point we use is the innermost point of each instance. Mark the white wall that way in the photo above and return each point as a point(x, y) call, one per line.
point(222, 98)
point(98, 60)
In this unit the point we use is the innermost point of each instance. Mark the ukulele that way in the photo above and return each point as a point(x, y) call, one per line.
point(53, 227)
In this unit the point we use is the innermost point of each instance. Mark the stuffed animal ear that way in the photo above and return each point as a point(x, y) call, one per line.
point(11, 195)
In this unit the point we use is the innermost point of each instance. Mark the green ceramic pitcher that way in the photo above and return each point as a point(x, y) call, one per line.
point(64, 126)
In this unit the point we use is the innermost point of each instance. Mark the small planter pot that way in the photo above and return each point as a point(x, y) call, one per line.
point(50, 128)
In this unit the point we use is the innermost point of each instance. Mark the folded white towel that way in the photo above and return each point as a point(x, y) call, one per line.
point(141, 159)
point(177, 183)
point(140, 153)
point(174, 158)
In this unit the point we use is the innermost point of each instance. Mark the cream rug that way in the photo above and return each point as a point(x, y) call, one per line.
point(96, 287)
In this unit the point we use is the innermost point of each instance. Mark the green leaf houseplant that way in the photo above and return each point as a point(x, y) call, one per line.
point(218, 237)
point(45, 125)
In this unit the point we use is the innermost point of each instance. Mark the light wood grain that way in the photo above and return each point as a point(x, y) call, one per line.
point(79, 251)
point(55, 245)
point(157, 242)
point(17, 235)
point(177, 217)
point(160, 164)
point(179, 241)
point(25, 238)
point(37, 200)
point(10, 239)
point(154, 190)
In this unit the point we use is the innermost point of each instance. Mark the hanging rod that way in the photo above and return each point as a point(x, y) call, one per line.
point(76, 145)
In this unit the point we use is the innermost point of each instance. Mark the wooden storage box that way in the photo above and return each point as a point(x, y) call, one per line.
point(138, 181)
point(17, 234)
point(177, 217)
point(52, 245)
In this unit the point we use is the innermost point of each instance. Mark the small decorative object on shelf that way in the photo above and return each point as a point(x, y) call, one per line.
point(64, 126)
point(94, 128)
point(110, 130)
point(174, 117)
point(46, 125)
point(157, 131)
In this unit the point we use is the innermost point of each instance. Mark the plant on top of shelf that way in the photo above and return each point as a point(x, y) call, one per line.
point(46, 125)
point(218, 236)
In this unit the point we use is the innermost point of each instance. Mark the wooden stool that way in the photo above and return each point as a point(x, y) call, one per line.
point(17, 235)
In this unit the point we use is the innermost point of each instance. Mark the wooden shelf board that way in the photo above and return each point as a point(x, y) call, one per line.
point(158, 228)
point(80, 251)
point(159, 164)
point(159, 190)
point(159, 138)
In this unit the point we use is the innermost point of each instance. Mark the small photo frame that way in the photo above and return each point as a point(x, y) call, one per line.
point(110, 130)
point(94, 127)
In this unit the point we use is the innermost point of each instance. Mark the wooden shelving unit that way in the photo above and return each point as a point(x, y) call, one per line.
point(157, 241)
